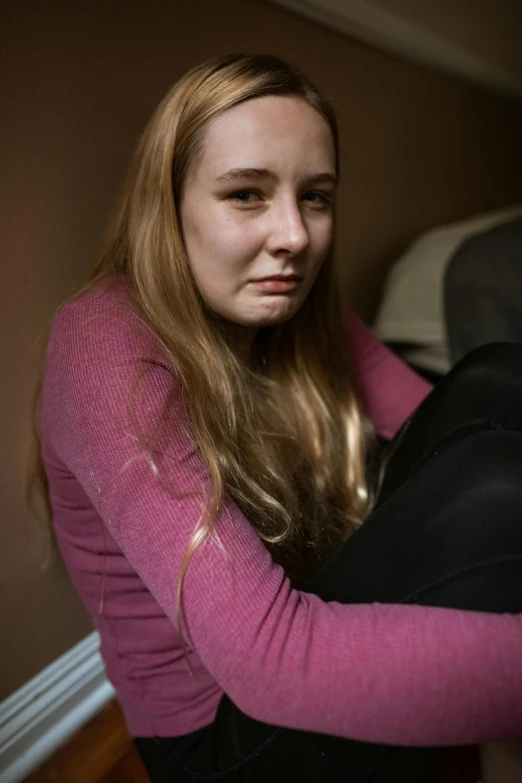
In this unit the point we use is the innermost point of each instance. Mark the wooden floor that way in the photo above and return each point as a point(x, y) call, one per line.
point(101, 752)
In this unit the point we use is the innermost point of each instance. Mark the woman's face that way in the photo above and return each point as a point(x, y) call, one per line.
point(257, 203)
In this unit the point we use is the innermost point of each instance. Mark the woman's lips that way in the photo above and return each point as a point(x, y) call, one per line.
point(277, 285)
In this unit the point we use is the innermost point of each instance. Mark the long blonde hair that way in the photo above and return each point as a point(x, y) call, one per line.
point(287, 437)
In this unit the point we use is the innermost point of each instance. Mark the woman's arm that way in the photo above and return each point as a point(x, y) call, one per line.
point(392, 390)
point(405, 675)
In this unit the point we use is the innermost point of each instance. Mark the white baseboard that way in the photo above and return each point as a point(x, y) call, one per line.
point(37, 719)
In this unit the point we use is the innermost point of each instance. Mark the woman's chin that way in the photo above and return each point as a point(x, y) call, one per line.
point(277, 311)
point(267, 313)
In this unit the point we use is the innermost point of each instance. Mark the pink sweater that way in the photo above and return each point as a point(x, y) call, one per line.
point(405, 675)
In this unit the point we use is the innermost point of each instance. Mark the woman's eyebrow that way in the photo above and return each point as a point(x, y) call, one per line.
point(233, 176)
point(326, 177)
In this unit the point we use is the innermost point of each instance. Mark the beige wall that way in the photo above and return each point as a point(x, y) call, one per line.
point(489, 29)
point(78, 82)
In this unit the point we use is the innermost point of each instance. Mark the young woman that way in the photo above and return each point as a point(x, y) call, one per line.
point(207, 436)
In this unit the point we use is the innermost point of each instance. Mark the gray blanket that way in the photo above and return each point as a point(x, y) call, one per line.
point(483, 290)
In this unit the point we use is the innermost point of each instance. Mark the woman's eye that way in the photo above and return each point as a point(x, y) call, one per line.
point(318, 197)
point(250, 197)
point(244, 196)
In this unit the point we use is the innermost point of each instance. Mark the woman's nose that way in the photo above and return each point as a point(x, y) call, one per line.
point(288, 231)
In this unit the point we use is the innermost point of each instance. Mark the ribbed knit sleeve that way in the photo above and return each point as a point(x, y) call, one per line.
point(391, 389)
point(380, 673)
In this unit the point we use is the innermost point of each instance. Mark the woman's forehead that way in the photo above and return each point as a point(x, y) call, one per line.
point(265, 133)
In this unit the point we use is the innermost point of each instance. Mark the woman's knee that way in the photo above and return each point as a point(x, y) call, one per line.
point(484, 389)
point(498, 364)
point(479, 490)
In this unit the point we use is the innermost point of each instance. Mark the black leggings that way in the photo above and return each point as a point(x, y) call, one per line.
point(446, 532)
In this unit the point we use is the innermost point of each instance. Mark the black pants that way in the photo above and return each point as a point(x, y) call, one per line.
point(446, 532)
